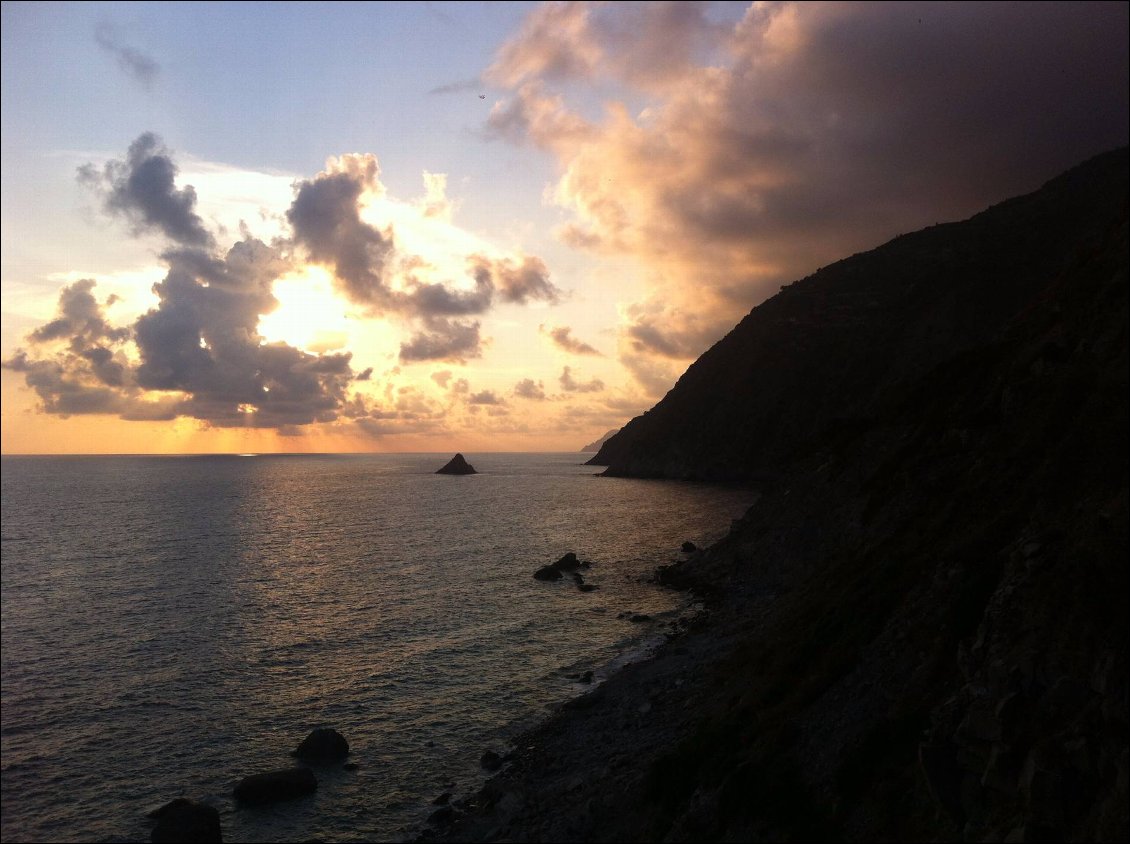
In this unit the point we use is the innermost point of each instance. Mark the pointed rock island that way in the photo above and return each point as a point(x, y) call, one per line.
point(457, 466)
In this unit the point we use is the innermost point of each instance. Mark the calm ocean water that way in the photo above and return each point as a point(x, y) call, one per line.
point(171, 625)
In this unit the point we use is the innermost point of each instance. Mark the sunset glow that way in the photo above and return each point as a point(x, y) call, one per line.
point(521, 246)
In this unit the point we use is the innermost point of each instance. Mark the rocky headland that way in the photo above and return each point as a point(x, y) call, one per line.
point(919, 631)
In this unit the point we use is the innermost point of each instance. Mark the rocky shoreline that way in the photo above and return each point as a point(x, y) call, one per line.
point(568, 778)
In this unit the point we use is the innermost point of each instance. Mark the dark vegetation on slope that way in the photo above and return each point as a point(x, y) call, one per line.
point(920, 630)
point(820, 358)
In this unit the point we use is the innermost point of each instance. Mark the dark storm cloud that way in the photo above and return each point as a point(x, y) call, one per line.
point(326, 217)
point(443, 339)
point(563, 339)
point(135, 63)
point(142, 188)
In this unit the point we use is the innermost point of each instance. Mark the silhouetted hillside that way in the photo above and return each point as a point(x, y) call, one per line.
point(823, 355)
point(919, 631)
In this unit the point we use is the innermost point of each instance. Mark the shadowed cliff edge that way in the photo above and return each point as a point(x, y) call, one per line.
point(919, 631)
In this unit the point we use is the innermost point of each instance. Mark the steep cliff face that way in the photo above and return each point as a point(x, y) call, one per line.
point(919, 630)
point(821, 357)
point(946, 655)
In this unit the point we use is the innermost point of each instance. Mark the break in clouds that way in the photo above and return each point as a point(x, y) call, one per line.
point(735, 158)
point(198, 353)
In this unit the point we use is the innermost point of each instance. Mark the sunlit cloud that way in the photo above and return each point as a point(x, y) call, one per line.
point(801, 134)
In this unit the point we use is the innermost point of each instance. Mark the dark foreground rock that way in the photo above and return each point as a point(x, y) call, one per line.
point(568, 562)
point(490, 761)
point(184, 821)
point(273, 786)
point(457, 465)
point(548, 573)
point(322, 745)
point(918, 632)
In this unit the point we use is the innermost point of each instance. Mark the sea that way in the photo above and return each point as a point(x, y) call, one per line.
point(173, 624)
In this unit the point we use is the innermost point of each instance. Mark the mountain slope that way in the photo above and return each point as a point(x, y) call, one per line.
point(824, 353)
point(919, 630)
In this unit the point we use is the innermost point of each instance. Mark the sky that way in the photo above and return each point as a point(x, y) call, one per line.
point(319, 227)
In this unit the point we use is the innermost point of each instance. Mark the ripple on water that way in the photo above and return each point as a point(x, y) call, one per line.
point(172, 625)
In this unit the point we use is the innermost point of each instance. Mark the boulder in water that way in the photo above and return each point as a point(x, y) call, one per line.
point(457, 466)
point(322, 745)
point(184, 820)
point(548, 573)
point(568, 563)
point(689, 547)
point(273, 786)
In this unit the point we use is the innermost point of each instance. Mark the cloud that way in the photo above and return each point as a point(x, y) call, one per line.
point(527, 388)
point(326, 217)
point(571, 385)
point(80, 319)
point(372, 272)
point(136, 64)
point(198, 353)
point(485, 397)
point(443, 339)
point(436, 204)
point(202, 340)
point(518, 281)
point(646, 43)
point(563, 339)
point(799, 135)
point(462, 87)
point(142, 189)
point(440, 300)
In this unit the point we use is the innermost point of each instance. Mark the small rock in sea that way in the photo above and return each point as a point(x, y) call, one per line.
point(350, 766)
point(442, 816)
point(689, 547)
point(587, 587)
point(586, 564)
point(186, 820)
point(568, 563)
point(490, 761)
point(322, 745)
point(586, 677)
point(547, 573)
point(578, 577)
point(638, 617)
point(443, 799)
point(273, 786)
point(429, 743)
point(457, 466)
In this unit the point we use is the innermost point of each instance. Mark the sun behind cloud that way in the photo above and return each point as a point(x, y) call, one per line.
point(310, 315)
